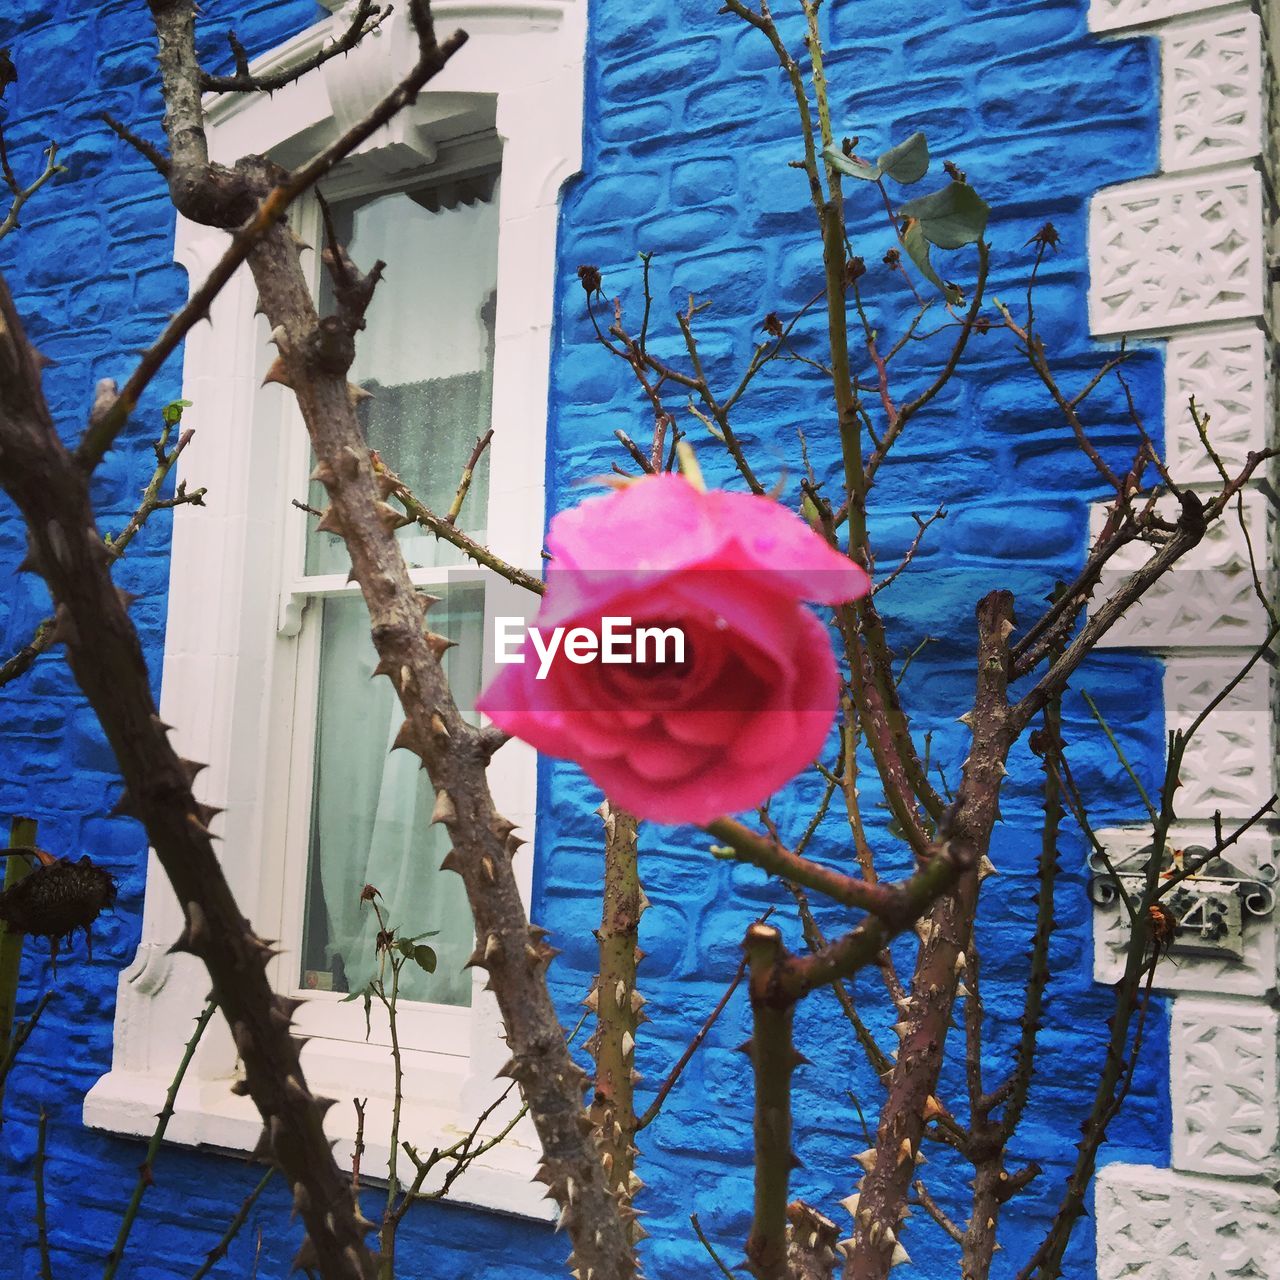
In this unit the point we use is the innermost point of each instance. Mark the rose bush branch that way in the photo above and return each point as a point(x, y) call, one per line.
point(315, 357)
point(366, 17)
point(773, 1059)
point(105, 656)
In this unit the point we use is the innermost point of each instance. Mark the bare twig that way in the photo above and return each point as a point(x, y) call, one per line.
point(42, 1209)
point(219, 1250)
point(22, 194)
point(468, 471)
point(366, 17)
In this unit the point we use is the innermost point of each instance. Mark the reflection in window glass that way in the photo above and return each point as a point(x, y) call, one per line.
point(427, 351)
point(371, 812)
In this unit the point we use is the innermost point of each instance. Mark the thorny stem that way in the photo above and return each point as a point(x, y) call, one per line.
point(617, 1002)
point(941, 961)
point(219, 1250)
point(655, 1107)
point(145, 1180)
point(443, 528)
point(1014, 1092)
point(468, 471)
point(365, 18)
point(452, 751)
point(773, 1058)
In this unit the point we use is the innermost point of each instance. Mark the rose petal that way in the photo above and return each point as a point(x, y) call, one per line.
point(785, 551)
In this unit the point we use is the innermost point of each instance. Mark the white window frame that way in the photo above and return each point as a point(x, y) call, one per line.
point(229, 658)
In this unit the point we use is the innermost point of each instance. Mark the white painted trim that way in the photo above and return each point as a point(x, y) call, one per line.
point(1182, 256)
point(1157, 1225)
point(228, 673)
point(1115, 16)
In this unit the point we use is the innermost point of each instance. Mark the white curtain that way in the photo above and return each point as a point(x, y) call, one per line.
point(371, 812)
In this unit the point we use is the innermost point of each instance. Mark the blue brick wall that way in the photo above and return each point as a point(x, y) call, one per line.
point(689, 129)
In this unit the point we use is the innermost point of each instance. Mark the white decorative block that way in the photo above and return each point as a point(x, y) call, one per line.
point(1154, 1224)
point(1226, 372)
point(1224, 1087)
point(1169, 252)
point(1112, 15)
point(1253, 975)
point(1212, 105)
point(1229, 764)
point(1207, 597)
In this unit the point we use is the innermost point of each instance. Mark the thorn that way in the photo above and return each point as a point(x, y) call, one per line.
point(405, 741)
point(904, 1151)
point(329, 522)
point(444, 811)
point(389, 517)
point(278, 372)
point(191, 768)
point(439, 645)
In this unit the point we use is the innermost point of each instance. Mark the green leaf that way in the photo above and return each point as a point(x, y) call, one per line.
point(425, 958)
point(918, 247)
point(172, 412)
point(955, 216)
point(908, 161)
point(850, 166)
point(809, 510)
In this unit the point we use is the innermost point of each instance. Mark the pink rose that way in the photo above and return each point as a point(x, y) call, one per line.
point(681, 738)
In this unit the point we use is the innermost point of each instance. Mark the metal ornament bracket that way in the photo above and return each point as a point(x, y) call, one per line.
point(1210, 907)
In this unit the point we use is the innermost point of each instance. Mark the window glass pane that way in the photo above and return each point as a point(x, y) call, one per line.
point(427, 351)
point(371, 812)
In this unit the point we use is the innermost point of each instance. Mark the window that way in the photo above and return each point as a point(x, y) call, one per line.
point(359, 812)
point(267, 644)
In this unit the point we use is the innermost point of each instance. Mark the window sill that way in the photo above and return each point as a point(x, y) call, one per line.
point(208, 1115)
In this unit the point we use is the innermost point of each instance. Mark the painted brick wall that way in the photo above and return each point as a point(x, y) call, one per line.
point(688, 134)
